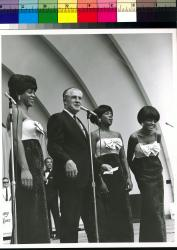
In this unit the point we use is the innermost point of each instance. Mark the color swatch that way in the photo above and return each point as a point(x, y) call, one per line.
point(86, 11)
point(28, 11)
point(107, 11)
point(48, 11)
point(9, 11)
point(67, 11)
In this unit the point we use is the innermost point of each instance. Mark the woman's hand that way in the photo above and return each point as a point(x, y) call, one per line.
point(129, 185)
point(26, 179)
point(103, 188)
point(106, 167)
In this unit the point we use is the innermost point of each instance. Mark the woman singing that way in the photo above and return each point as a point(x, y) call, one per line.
point(143, 151)
point(114, 212)
point(32, 220)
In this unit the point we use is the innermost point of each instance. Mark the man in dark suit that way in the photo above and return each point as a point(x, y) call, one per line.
point(68, 145)
point(6, 190)
point(52, 197)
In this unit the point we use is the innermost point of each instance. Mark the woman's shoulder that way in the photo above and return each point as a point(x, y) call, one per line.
point(135, 134)
point(158, 133)
point(16, 110)
point(95, 133)
point(95, 136)
point(133, 140)
point(18, 113)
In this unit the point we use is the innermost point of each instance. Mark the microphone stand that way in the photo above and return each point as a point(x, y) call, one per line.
point(93, 179)
point(13, 183)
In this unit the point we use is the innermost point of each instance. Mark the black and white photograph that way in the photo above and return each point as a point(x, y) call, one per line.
point(89, 138)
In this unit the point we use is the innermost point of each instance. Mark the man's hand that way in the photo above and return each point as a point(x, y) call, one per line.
point(26, 179)
point(71, 169)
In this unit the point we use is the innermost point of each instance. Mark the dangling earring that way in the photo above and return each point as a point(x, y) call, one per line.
point(19, 97)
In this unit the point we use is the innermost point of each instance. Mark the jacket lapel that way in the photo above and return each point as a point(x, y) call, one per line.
point(76, 126)
point(86, 133)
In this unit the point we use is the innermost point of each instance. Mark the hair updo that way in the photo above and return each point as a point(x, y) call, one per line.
point(18, 84)
point(100, 110)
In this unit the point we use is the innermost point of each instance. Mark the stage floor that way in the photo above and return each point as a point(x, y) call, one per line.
point(170, 224)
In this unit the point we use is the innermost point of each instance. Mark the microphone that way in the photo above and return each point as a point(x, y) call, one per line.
point(87, 110)
point(94, 117)
point(168, 124)
point(12, 100)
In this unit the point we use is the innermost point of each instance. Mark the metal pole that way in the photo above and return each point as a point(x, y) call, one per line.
point(93, 180)
point(13, 183)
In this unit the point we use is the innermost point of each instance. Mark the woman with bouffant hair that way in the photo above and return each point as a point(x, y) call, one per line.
point(113, 180)
point(32, 220)
point(143, 151)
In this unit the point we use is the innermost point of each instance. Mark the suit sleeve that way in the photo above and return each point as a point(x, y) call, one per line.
point(55, 134)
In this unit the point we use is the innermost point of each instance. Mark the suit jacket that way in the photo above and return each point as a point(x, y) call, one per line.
point(67, 141)
point(50, 187)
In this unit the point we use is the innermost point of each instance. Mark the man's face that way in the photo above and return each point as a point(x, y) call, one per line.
point(49, 164)
point(5, 183)
point(72, 100)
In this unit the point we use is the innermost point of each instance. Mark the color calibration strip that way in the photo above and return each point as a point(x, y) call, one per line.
point(84, 11)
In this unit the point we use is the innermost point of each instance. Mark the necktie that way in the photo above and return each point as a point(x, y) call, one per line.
point(6, 194)
point(79, 124)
